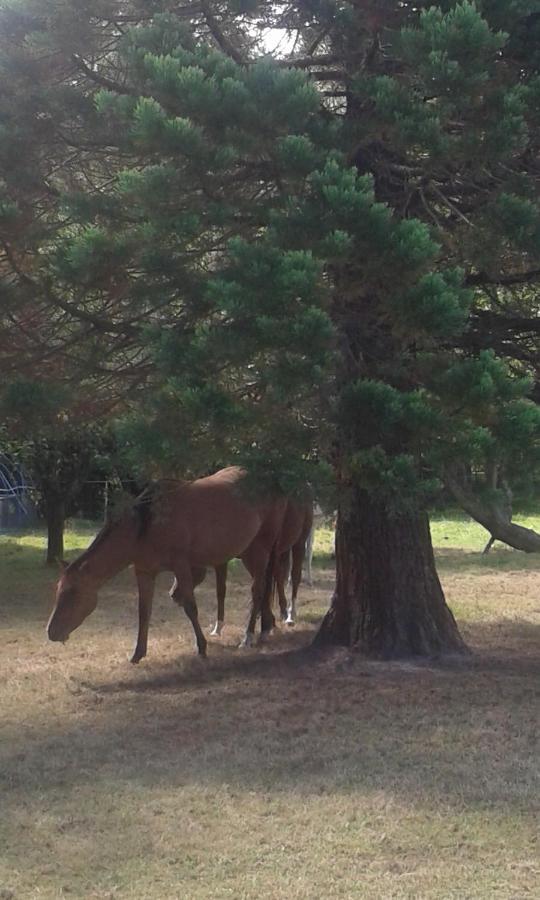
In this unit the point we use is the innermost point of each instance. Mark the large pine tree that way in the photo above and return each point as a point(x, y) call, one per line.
point(297, 257)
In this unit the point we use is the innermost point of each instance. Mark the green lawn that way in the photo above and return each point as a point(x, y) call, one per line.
point(268, 773)
point(449, 530)
point(452, 530)
point(458, 531)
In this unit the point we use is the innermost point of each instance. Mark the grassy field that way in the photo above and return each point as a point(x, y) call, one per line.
point(268, 774)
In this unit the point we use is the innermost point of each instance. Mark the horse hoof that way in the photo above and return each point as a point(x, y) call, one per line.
point(247, 641)
point(290, 622)
point(217, 629)
point(136, 658)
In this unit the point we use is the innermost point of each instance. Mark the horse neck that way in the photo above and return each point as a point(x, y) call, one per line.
point(111, 551)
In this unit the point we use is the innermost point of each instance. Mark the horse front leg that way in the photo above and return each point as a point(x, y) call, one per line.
point(182, 592)
point(298, 552)
point(145, 584)
point(221, 590)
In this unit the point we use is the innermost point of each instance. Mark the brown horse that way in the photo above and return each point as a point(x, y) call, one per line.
point(290, 549)
point(183, 528)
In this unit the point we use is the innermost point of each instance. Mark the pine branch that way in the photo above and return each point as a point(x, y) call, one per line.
point(482, 278)
point(184, 12)
point(220, 38)
point(103, 325)
point(450, 205)
point(328, 75)
point(306, 62)
point(100, 79)
point(315, 43)
point(507, 323)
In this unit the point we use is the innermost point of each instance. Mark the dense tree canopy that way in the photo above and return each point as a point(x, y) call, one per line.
point(328, 256)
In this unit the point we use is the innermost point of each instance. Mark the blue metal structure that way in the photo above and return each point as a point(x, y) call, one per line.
point(16, 507)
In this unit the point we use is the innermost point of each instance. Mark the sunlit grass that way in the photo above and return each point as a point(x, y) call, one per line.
point(452, 529)
point(459, 531)
point(77, 536)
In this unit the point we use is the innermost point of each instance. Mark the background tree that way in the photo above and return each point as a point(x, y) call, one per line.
point(58, 452)
point(298, 256)
point(49, 53)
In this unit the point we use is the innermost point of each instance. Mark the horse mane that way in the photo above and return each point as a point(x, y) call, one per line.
point(143, 506)
point(143, 511)
point(103, 533)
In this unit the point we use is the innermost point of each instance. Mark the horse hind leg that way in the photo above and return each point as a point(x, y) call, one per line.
point(145, 584)
point(221, 590)
point(282, 575)
point(298, 553)
point(309, 556)
point(182, 593)
point(256, 598)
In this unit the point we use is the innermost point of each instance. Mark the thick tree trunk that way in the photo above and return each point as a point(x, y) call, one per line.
point(388, 600)
point(55, 514)
point(495, 519)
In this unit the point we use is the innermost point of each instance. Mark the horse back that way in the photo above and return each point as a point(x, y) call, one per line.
point(208, 521)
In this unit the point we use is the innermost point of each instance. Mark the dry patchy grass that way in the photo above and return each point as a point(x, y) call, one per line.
point(267, 773)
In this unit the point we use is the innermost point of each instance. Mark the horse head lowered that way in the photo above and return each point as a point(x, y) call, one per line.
point(76, 598)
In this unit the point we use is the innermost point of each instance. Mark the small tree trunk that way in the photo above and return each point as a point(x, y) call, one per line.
point(55, 515)
point(497, 519)
point(388, 600)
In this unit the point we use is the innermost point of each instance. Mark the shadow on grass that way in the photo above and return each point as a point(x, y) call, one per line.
point(285, 719)
point(509, 645)
point(447, 730)
point(502, 560)
point(291, 653)
point(224, 663)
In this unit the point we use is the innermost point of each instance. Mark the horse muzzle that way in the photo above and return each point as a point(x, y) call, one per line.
point(57, 634)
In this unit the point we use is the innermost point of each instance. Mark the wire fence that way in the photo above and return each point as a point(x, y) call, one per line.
point(21, 503)
point(16, 506)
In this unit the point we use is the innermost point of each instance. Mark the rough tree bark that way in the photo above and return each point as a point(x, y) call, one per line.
point(388, 600)
point(55, 515)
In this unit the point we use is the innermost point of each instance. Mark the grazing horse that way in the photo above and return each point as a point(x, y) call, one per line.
point(291, 546)
point(181, 527)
